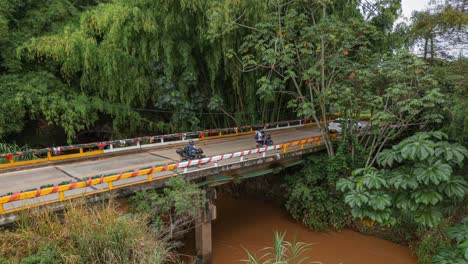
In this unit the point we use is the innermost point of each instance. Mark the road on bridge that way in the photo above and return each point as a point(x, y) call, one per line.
point(75, 170)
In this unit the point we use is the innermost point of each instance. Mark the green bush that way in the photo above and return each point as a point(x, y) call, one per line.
point(312, 197)
point(416, 180)
point(430, 241)
point(457, 250)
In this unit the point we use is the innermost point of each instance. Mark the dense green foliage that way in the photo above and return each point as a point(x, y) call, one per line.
point(416, 181)
point(312, 196)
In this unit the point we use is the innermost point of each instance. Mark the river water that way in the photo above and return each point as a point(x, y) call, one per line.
point(250, 224)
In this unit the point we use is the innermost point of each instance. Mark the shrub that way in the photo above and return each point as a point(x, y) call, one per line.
point(93, 234)
point(312, 197)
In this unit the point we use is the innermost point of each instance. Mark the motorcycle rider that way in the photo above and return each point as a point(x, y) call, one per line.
point(259, 136)
point(190, 149)
point(268, 140)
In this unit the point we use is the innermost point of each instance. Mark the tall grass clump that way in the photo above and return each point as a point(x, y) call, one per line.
point(83, 234)
point(282, 252)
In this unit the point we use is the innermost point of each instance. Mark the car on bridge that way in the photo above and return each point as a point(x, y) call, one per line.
point(336, 126)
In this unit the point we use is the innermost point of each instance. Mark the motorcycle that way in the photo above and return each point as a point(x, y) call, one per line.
point(196, 154)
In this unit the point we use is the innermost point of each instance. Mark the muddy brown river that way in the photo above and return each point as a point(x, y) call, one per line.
point(251, 223)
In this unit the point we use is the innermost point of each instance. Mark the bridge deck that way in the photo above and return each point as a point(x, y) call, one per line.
point(54, 174)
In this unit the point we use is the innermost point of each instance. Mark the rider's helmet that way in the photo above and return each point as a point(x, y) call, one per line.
point(191, 142)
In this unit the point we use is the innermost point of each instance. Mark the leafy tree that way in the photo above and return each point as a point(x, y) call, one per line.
point(451, 77)
point(173, 210)
point(442, 28)
point(415, 181)
point(306, 51)
point(404, 95)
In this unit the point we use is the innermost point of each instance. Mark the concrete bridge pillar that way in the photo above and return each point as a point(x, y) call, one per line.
point(203, 236)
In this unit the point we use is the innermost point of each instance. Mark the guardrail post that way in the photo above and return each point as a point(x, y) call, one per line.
point(138, 144)
point(49, 155)
point(241, 158)
point(150, 176)
point(81, 150)
point(61, 196)
point(110, 185)
point(162, 140)
point(220, 133)
point(111, 146)
point(302, 146)
point(2, 210)
point(288, 124)
point(284, 149)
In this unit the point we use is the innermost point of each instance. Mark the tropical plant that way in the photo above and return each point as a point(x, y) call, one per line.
point(415, 181)
point(282, 252)
point(458, 252)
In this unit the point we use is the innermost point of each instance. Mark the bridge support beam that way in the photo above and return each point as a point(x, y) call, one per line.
point(203, 241)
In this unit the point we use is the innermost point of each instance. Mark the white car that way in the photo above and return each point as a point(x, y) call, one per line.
point(337, 125)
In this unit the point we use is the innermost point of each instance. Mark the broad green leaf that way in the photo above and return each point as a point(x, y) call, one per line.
point(427, 197)
point(374, 180)
point(417, 150)
point(388, 157)
point(428, 217)
point(458, 232)
point(457, 186)
point(455, 153)
point(436, 172)
point(403, 201)
point(400, 180)
point(380, 201)
point(344, 185)
point(356, 198)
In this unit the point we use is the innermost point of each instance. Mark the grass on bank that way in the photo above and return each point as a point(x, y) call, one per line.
point(82, 234)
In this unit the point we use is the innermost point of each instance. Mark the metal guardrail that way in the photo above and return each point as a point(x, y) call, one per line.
point(98, 148)
point(148, 171)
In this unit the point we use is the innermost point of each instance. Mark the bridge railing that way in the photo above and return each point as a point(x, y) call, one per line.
point(110, 179)
point(97, 148)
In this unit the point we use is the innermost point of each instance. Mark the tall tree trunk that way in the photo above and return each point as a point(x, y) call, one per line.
point(425, 48)
point(432, 49)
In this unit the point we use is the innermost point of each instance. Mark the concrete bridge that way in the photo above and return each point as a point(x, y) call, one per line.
point(38, 184)
point(122, 171)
